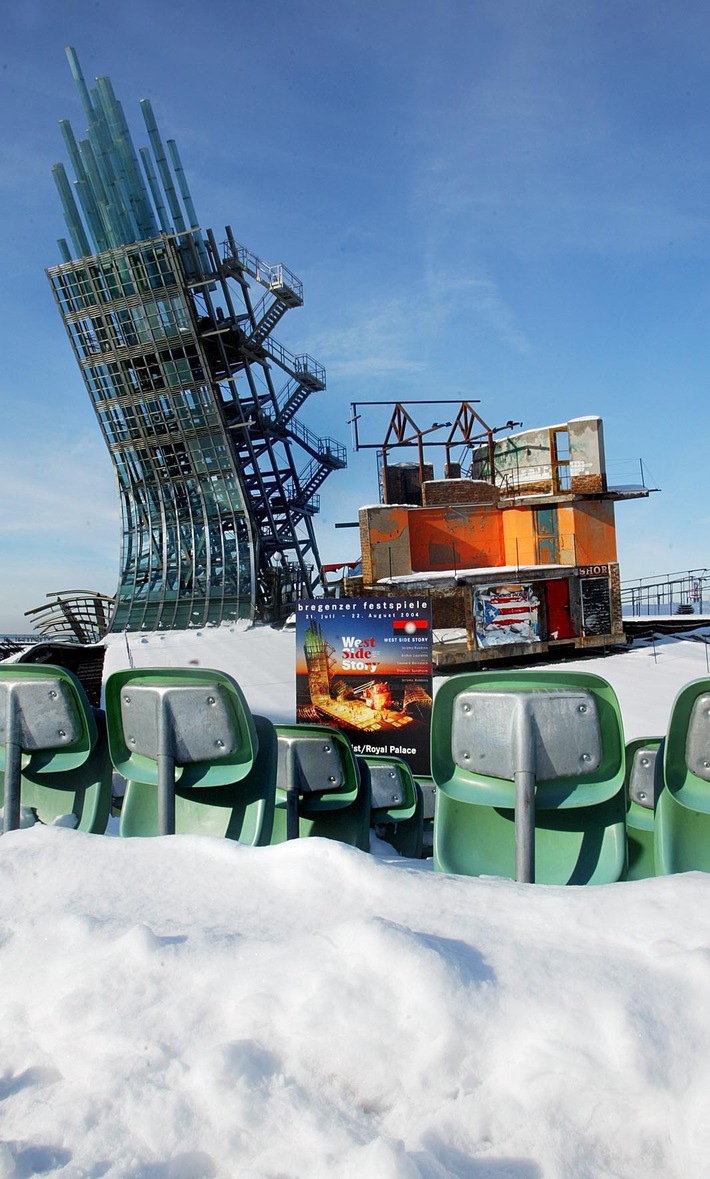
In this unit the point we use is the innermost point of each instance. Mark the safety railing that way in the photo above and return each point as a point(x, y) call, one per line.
point(683, 592)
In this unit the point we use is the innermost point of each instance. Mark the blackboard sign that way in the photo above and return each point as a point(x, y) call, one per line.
point(596, 605)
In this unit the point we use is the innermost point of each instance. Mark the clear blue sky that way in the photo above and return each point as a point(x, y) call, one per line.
point(496, 199)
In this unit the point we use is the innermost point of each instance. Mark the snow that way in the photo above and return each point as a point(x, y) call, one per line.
point(646, 678)
point(446, 577)
point(261, 658)
point(183, 1007)
point(627, 488)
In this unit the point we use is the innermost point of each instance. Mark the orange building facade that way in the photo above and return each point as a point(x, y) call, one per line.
point(519, 560)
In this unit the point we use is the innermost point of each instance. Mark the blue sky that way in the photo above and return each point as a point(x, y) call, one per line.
point(505, 200)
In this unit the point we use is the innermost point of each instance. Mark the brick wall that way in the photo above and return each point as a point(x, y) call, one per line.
point(365, 549)
point(448, 607)
point(617, 625)
point(587, 484)
point(384, 538)
point(458, 491)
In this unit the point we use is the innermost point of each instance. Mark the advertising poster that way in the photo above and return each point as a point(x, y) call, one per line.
point(505, 614)
point(364, 666)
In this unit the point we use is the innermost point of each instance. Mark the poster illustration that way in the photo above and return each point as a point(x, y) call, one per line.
point(505, 614)
point(364, 665)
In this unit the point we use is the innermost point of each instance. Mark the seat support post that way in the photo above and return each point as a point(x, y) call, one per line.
point(292, 813)
point(293, 824)
point(166, 775)
point(13, 765)
point(524, 797)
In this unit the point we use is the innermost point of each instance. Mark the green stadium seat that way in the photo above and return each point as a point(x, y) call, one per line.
point(682, 832)
point(559, 735)
point(397, 804)
point(320, 790)
point(195, 759)
point(644, 777)
point(53, 750)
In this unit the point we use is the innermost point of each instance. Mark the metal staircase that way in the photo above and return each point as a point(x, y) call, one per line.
point(266, 437)
point(294, 393)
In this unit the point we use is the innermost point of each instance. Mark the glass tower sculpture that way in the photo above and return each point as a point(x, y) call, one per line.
point(218, 480)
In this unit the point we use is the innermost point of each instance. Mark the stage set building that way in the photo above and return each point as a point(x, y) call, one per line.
point(519, 558)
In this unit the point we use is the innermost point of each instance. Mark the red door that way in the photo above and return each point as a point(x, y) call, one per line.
point(559, 616)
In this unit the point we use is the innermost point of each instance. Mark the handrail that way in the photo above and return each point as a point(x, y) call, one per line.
point(298, 366)
point(323, 446)
point(659, 593)
point(275, 277)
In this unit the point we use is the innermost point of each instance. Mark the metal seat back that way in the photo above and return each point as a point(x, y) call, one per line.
point(242, 810)
point(554, 733)
point(311, 763)
point(392, 790)
point(44, 710)
point(642, 774)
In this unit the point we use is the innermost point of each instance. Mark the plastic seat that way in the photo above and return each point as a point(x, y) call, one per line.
point(682, 835)
point(53, 750)
point(195, 759)
point(644, 763)
point(555, 739)
point(320, 790)
point(397, 804)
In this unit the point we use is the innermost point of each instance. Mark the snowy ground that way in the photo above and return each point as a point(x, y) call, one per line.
point(183, 1007)
point(646, 678)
